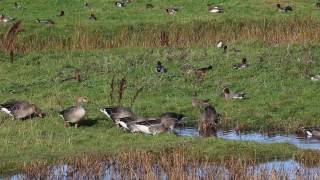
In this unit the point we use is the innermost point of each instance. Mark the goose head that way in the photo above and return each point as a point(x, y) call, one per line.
point(37, 111)
point(82, 100)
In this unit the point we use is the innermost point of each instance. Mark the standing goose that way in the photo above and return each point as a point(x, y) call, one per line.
point(229, 95)
point(242, 65)
point(74, 114)
point(208, 121)
point(119, 115)
point(20, 109)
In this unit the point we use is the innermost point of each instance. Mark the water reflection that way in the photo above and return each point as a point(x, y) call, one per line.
point(300, 142)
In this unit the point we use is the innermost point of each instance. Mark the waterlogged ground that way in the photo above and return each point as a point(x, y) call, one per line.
point(288, 169)
point(300, 142)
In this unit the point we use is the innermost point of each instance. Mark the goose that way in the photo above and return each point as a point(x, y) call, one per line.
point(120, 4)
point(74, 114)
point(286, 9)
point(242, 65)
point(61, 14)
point(198, 102)
point(155, 126)
point(93, 17)
point(313, 133)
point(229, 95)
point(20, 109)
point(160, 68)
point(172, 10)
point(208, 121)
point(215, 9)
point(45, 21)
point(220, 44)
point(119, 115)
point(315, 78)
point(6, 19)
point(149, 6)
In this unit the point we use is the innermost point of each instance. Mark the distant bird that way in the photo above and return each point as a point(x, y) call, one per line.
point(45, 21)
point(242, 65)
point(120, 4)
point(20, 109)
point(160, 68)
point(6, 19)
point(313, 133)
point(198, 102)
point(220, 44)
point(315, 78)
point(225, 48)
point(209, 120)
point(215, 9)
point(86, 4)
point(172, 115)
point(17, 5)
point(172, 10)
point(61, 14)
point(149, 6)
point(93, 17)
point(286, 9)
point(229, 95)
point(74, 114)
point(318, 4)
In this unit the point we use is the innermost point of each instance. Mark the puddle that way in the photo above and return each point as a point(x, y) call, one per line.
point(289, 169)
point(300, 142)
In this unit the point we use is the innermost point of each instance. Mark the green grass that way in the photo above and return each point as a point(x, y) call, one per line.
point(280, 95)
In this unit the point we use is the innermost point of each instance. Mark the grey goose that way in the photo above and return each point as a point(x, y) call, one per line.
point(208, 121)
point(20, 109)
point(74, 114)
point(230, 95)
point(119, 115)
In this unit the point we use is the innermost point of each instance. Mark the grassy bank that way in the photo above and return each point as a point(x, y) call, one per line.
point(280, 96)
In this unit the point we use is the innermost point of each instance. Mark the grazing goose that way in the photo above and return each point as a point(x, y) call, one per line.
point(198, 102)
point(313, 133)
point(286, 9)
point(172, 115)
point(120, 4)
point(20, 109)
point(215, 9)
point(6, 19)
point(160, 68)
point(172, 10)
point(119, 115)
point(45, 21)
point(315, 78)
point(61, 14)
point(74, 114)
point(229, 95)
point(149, 6)
point(242, 65)
point(93, 17)
point(208, 121)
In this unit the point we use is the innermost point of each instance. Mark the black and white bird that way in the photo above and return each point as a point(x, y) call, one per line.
point(230, 95)
point(93, 17)
point(241, 65)
point(61, 13)
point(284, 9)
point(315, 78)
point(215, 9)
point(160, 68)
point(20, 109)
point(6, 19)
point(172, 10)
point(120, 4)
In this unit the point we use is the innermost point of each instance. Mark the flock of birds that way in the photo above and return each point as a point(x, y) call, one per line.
point(123, 116)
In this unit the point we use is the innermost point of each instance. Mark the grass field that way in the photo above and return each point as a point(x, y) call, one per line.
point(282, 52)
